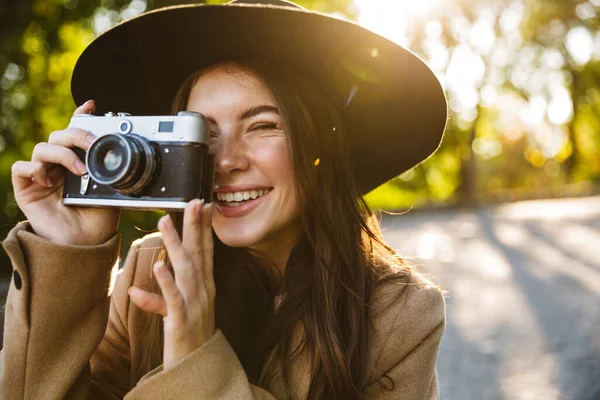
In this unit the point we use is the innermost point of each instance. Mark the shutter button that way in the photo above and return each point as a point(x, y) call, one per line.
point(17, 279)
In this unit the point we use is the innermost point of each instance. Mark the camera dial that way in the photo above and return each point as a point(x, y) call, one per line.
point(124, 162)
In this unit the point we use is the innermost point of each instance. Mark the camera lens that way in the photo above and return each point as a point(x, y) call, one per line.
point(124, 162)
point(112, 160)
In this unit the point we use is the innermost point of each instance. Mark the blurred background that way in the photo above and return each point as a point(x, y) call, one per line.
point(505, 216)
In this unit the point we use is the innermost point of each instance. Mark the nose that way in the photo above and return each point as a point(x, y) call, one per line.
point(231, 155)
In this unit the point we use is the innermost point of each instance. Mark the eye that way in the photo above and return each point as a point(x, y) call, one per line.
point(263, 126)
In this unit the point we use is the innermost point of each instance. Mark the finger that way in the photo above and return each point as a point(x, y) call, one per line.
point(192, 232)
point(172, 295)
point(86, 108)
point(53, 154)
point(24, 172)
point(147, 301)
point(207, 246)
point(183, 266)
point(71, 137)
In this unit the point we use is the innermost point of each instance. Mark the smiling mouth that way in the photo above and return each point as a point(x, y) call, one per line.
point(236, 199)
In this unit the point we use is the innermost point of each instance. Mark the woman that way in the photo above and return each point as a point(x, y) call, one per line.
point(295, 295)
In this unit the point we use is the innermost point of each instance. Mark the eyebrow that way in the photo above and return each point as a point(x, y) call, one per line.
point(256, 110)
point(250, 112)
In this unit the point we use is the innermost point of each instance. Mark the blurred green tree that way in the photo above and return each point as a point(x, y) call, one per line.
point(521, 78)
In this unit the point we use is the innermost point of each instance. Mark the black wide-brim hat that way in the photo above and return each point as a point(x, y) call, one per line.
point(392, 105)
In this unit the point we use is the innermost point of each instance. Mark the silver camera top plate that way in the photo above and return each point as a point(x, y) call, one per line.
point(184, 127)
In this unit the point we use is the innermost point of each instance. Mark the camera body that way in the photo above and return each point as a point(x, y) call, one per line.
point(142, 162)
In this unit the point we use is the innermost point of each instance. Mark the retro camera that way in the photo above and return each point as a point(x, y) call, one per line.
point(142, 162)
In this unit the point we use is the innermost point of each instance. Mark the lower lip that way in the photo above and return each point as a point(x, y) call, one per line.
point(241, 210)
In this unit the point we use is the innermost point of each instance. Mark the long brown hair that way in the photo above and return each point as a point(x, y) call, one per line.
point(332, 273)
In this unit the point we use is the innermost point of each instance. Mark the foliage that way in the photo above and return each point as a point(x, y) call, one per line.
point(521, 78)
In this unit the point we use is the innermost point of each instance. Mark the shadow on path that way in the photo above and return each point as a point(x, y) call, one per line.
point(570, 341)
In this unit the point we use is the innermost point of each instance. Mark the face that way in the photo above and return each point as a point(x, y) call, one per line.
point(256, 205)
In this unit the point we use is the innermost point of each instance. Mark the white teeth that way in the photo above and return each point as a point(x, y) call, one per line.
point(236, 198)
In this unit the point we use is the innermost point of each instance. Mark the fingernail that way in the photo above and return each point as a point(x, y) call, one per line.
point(90, 138)
point(159, 266)
point(87, 102)
point(166, 222)
point(198, 205)
point(80, 166)
point(48, 182)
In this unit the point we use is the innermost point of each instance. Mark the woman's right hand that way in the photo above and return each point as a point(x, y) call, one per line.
point(38, 186)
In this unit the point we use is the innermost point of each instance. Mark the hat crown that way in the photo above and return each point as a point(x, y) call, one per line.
point(280, 3)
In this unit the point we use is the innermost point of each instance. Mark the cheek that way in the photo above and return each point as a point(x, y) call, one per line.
point(274, 160)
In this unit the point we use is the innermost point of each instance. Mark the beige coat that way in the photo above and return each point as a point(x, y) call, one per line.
point(70, 333)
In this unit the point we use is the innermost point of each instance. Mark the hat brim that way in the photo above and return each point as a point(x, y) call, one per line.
point(392, 105)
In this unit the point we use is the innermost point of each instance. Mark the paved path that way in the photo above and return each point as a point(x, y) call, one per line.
point(524, 296)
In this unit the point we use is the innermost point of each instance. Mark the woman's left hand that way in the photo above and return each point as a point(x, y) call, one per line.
point(187, 301)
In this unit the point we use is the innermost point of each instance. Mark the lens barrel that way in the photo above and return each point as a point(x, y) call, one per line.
point(124, 162)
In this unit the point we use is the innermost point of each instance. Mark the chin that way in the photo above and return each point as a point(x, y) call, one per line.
point(235, 238)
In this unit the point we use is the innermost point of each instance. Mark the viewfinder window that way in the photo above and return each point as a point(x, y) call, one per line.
point(165, 126)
